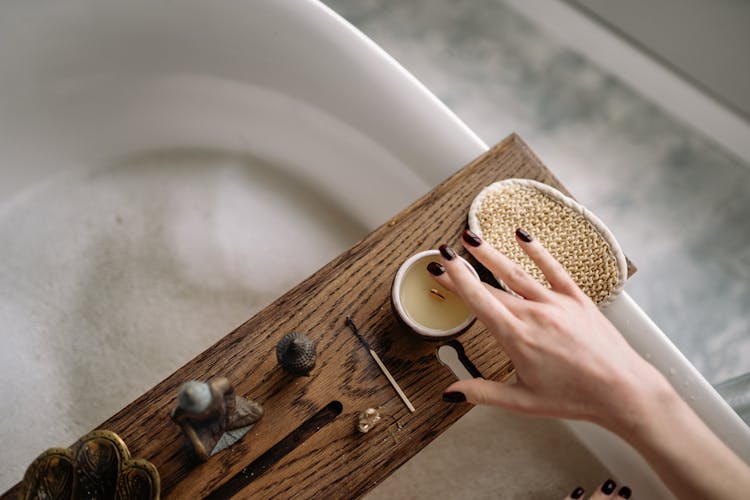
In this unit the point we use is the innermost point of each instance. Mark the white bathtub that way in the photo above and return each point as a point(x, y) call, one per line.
point(159, 159)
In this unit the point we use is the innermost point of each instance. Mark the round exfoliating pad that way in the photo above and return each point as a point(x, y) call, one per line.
point(573, 235)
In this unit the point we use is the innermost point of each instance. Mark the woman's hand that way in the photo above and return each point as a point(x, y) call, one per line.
point(571, 362)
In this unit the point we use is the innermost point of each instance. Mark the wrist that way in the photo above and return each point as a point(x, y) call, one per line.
point(643, 399)
point(691, 460)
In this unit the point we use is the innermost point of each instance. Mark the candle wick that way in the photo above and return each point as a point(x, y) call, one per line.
point(435, 294)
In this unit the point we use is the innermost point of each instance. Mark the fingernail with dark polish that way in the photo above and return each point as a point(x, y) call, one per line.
point(624, 492)
point(523, 235)
point(577, 493)
point(454, 397)
point(471, 238)
point(609, 486)
point(447, 252)
point(435, 268)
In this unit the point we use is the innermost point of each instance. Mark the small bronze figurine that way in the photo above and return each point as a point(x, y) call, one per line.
point(367, 419)
point(211, 417)
point(296, 354)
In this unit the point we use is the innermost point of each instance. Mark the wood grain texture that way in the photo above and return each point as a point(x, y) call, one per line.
point(335, 461)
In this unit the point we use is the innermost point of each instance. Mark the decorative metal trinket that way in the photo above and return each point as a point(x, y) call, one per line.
point(97, 466)
point(367, 420)
point(211, 417)
point(296, 354)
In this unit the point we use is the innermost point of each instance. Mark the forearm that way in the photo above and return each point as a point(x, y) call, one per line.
point(681, 449)
point(573, 363)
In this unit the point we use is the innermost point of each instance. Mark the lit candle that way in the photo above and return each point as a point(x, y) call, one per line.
point(426, 307)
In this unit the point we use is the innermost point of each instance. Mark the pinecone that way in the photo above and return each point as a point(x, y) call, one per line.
point(296, 353)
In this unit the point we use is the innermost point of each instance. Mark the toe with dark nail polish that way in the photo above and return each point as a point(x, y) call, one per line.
point(447, 252)
point(577, 493)
point(624, 492)
point(609, 486)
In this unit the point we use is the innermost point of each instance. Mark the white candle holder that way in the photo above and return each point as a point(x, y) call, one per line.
point(409, 270)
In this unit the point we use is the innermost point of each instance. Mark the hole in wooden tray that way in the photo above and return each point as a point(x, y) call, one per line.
point(452, 355)
point(278, 451)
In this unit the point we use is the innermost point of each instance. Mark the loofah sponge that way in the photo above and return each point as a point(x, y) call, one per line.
point(573, 235)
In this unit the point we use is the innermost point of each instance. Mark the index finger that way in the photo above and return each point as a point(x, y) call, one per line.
point(487, 308)
point(556, 275)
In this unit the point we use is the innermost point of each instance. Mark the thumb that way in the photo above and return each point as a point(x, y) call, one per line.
point(480, 391)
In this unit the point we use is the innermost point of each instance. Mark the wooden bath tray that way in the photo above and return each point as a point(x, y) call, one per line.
point(332, 460)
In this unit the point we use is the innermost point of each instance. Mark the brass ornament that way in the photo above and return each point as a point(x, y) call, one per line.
point(212, 418)
point(367, 420)
point(97, 466)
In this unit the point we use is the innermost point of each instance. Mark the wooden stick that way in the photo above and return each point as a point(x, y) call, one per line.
point(392, 381)
point(385, 371)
